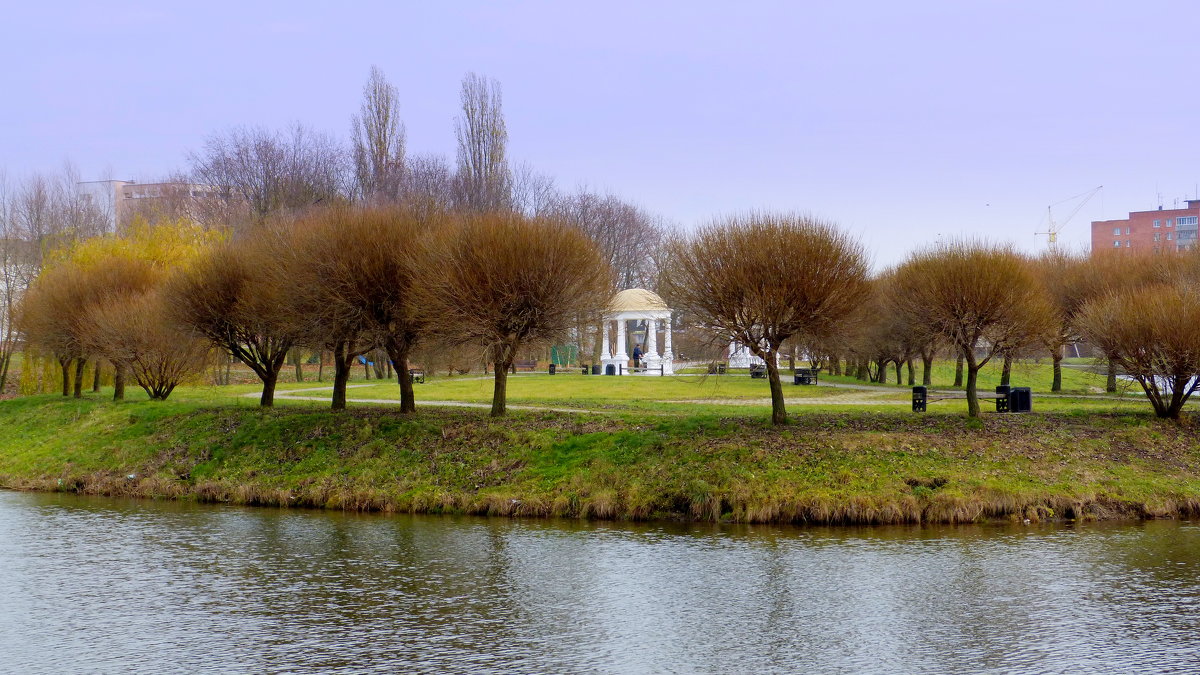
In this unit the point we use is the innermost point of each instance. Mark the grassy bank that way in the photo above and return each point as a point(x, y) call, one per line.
point(831, 465)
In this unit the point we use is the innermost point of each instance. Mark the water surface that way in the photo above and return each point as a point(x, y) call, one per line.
point(103, 585)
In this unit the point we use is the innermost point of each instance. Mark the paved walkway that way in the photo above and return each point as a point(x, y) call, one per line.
point(289, 396)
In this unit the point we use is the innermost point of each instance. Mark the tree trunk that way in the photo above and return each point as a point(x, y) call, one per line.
point(78, 388)
point(377, 363)
point(864, 373)
point(65, 364)
point(399, 357)
point(321, 366)
point(881, 371)
point(835, 365)
point(1112, 376)
point(1006, 371)
point(408, 399)
point(972, 394)
point(500, 390)
point(96, 378)
point(342, 362)
point(267, 399)
point(912, 375)
point(1056, 385)
point(778, 411)
point(119, 384)
point(927, 369)
point(4, 370)
point(366, 367)
point(958, 372)
point(298, 363)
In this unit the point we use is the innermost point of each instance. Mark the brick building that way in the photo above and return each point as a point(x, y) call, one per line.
point(1159, 230)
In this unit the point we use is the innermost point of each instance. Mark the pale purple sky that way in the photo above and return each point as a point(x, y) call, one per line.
point(900, 120)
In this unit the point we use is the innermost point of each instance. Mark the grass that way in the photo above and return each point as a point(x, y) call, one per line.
point(649, 447)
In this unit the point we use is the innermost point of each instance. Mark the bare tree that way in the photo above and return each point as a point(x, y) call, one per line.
point(1151, 333)
point(484, 179)
point(352, 270)
point(233, 297)
point(503, 281)
point(264, 172)
point(428, 184)
point(739, 279)
point(377, 137)
point(983, 299)
point(131, 330)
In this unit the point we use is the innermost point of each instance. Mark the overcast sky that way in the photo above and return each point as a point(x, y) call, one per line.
point(902, 121)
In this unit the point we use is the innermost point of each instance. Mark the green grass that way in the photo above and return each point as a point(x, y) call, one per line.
point(635, 457)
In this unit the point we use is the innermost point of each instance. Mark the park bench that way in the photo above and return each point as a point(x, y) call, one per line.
point(530, 365)
point(622, 369)
point(1008, 399)
point(805, 375)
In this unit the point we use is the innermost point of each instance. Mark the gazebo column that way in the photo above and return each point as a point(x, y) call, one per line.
point(621, 355)
point(651, 349)
point(668, 355)
point(605, 352)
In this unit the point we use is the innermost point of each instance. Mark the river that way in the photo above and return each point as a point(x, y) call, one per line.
point(107, 585)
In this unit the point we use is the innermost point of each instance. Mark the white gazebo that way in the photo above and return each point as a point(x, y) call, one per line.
point(641, 305)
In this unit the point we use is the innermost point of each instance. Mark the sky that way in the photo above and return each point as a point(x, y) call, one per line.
point(904, 122)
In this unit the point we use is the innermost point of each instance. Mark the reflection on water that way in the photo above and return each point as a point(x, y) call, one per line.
point(112, 586)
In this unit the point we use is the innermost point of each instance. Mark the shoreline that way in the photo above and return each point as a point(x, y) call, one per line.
point(827, 468)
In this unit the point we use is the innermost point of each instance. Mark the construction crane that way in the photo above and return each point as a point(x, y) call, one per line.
point(1054, 228)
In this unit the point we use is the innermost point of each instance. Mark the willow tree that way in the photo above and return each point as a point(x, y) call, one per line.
point(131, 330)
point(984, 299)
point(351, 275)
point(502, 280)
point(233, 297)
point(762, 279)
point(1151, 333)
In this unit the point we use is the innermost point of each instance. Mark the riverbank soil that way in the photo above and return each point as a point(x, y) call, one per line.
point(834, 465)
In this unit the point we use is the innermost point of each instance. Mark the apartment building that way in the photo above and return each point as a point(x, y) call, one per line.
point(119, 198)
point(1158, 230)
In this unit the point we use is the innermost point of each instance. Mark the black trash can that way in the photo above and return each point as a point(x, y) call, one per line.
point(585, 370)
point(552, 368)
point(1020, 400)
point(610, 369)
point(595, 368)
point(920, 398)
point(1002, 394)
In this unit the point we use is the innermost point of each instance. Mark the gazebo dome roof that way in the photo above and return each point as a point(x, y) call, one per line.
point(636, 300)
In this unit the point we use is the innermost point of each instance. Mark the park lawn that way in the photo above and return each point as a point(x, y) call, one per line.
point(1038, 376)
point(829, 464)
point(732, 395)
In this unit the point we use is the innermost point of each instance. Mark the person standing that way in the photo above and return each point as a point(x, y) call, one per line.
point(637, 356)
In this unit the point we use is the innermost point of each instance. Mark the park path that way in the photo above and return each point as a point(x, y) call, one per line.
point(289, 395)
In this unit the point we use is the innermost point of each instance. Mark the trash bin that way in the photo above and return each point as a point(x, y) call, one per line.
point(610, 369)
point(1020, 400)
point(920, 398)
point(585, 370)
point(1002, 394)
point(552, 368)
point(595, 368)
